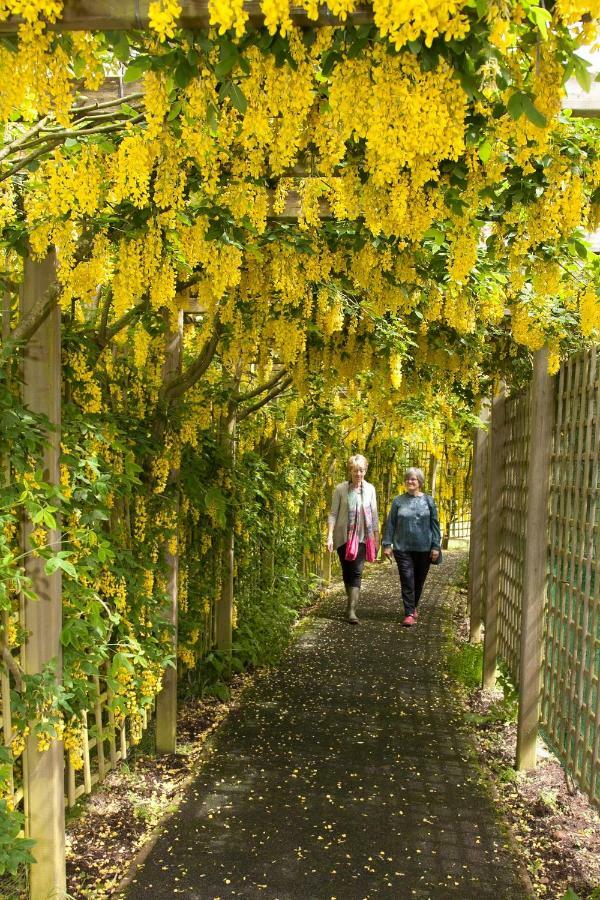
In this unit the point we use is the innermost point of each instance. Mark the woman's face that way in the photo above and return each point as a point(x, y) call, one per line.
point(358, 474)
point(412, 484)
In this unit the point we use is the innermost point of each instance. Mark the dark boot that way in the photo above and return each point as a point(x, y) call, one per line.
point(353, 597)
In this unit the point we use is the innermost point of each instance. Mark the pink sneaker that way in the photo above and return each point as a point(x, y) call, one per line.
point(408, 621)
point(416, 614)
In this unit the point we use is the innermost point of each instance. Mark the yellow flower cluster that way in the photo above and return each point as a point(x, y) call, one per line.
point(17, 745)
point(526, 328)
point(463, 254)
point(7, 204)
point(163, 16)
point(574, 11)
point(73, 743)
point(589, 311)
point(408, 118)
point(396, 370)
point(228, 14)
point(132, 168)
point(408, 21)
point(112, 587)
point(140, 520)
point(87, 392)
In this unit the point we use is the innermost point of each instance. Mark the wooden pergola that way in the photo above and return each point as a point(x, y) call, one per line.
point(44, 772)
point(127, 15)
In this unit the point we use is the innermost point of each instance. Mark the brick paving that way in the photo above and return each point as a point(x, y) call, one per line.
point(344, 774)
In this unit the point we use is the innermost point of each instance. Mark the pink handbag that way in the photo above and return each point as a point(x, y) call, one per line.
point(352, 546)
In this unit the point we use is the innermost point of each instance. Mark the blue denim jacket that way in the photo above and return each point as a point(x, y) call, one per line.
point(412, 525)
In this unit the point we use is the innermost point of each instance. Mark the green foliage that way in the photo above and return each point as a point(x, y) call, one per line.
point(15, 851)
point(465, 665)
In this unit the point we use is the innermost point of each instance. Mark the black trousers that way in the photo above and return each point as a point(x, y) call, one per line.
point(413, 567)
point(352, 569)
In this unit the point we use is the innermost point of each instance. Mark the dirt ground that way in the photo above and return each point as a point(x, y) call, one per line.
point(554, 824)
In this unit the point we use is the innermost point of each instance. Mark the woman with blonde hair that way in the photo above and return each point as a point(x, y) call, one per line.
point(354, 529)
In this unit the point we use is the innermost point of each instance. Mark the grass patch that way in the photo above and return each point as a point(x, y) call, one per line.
point(465, 665)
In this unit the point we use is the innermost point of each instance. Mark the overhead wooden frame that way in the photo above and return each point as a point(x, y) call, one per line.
point(125, 15)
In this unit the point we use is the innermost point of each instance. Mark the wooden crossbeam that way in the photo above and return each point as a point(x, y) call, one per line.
point(125, 15)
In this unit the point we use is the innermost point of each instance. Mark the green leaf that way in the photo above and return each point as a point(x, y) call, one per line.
point(228, 59)
point(121, 47)
point(175, 111)
point(137, 68)
point(234, 92)
point(515, 105)
point(129, 110)
point(212, 116)
point(540, 18)
point(184, 73)
point(48, 518)
point(532, 112)
point(328, 61)
point(56, 563)
point(581, 70)
point(485, 151)
point(469, 84)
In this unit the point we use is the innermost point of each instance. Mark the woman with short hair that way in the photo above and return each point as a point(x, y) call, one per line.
point(412, 535)
point(354, 529)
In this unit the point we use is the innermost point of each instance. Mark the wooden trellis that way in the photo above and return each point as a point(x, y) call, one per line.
point(545, 612)
point(571, 668)
point(512, 557)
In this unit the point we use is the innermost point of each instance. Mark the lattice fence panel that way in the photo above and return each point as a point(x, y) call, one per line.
point(104, 743)
point(513, 531)
point(453, 495)
point(571, 670)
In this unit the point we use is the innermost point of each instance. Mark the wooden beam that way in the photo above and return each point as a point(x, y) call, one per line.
point(478, 525)
point(43, 773)
point(494, 532)
point(125, 15)
point(225, 601)
point(535, 567)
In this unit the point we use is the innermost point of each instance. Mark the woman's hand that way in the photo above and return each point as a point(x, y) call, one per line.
point(387, 551)
point(330, 544)
point(434, 555)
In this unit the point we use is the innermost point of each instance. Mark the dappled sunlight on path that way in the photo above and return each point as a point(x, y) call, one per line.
point(344, 774)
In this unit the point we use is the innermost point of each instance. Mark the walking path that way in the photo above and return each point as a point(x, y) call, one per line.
point(344, 774)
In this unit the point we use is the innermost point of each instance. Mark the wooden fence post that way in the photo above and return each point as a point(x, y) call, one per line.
point(535, 565)
point(432, 474)
point(225, 604)
point(494, 531)
point(166, 700)
point(43, 773)
point(478, 524)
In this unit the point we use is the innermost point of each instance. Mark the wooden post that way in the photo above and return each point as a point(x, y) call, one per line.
point(478, 524)
point(43, 773)
point(433, 468)
point(166, 700)
point(494, 530)
point(225, 604)
point(535, 566)
point(5, 618)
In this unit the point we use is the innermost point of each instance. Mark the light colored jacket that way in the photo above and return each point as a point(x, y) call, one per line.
point(338, 517)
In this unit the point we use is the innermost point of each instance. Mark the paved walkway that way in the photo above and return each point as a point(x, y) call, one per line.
point(344, 774)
